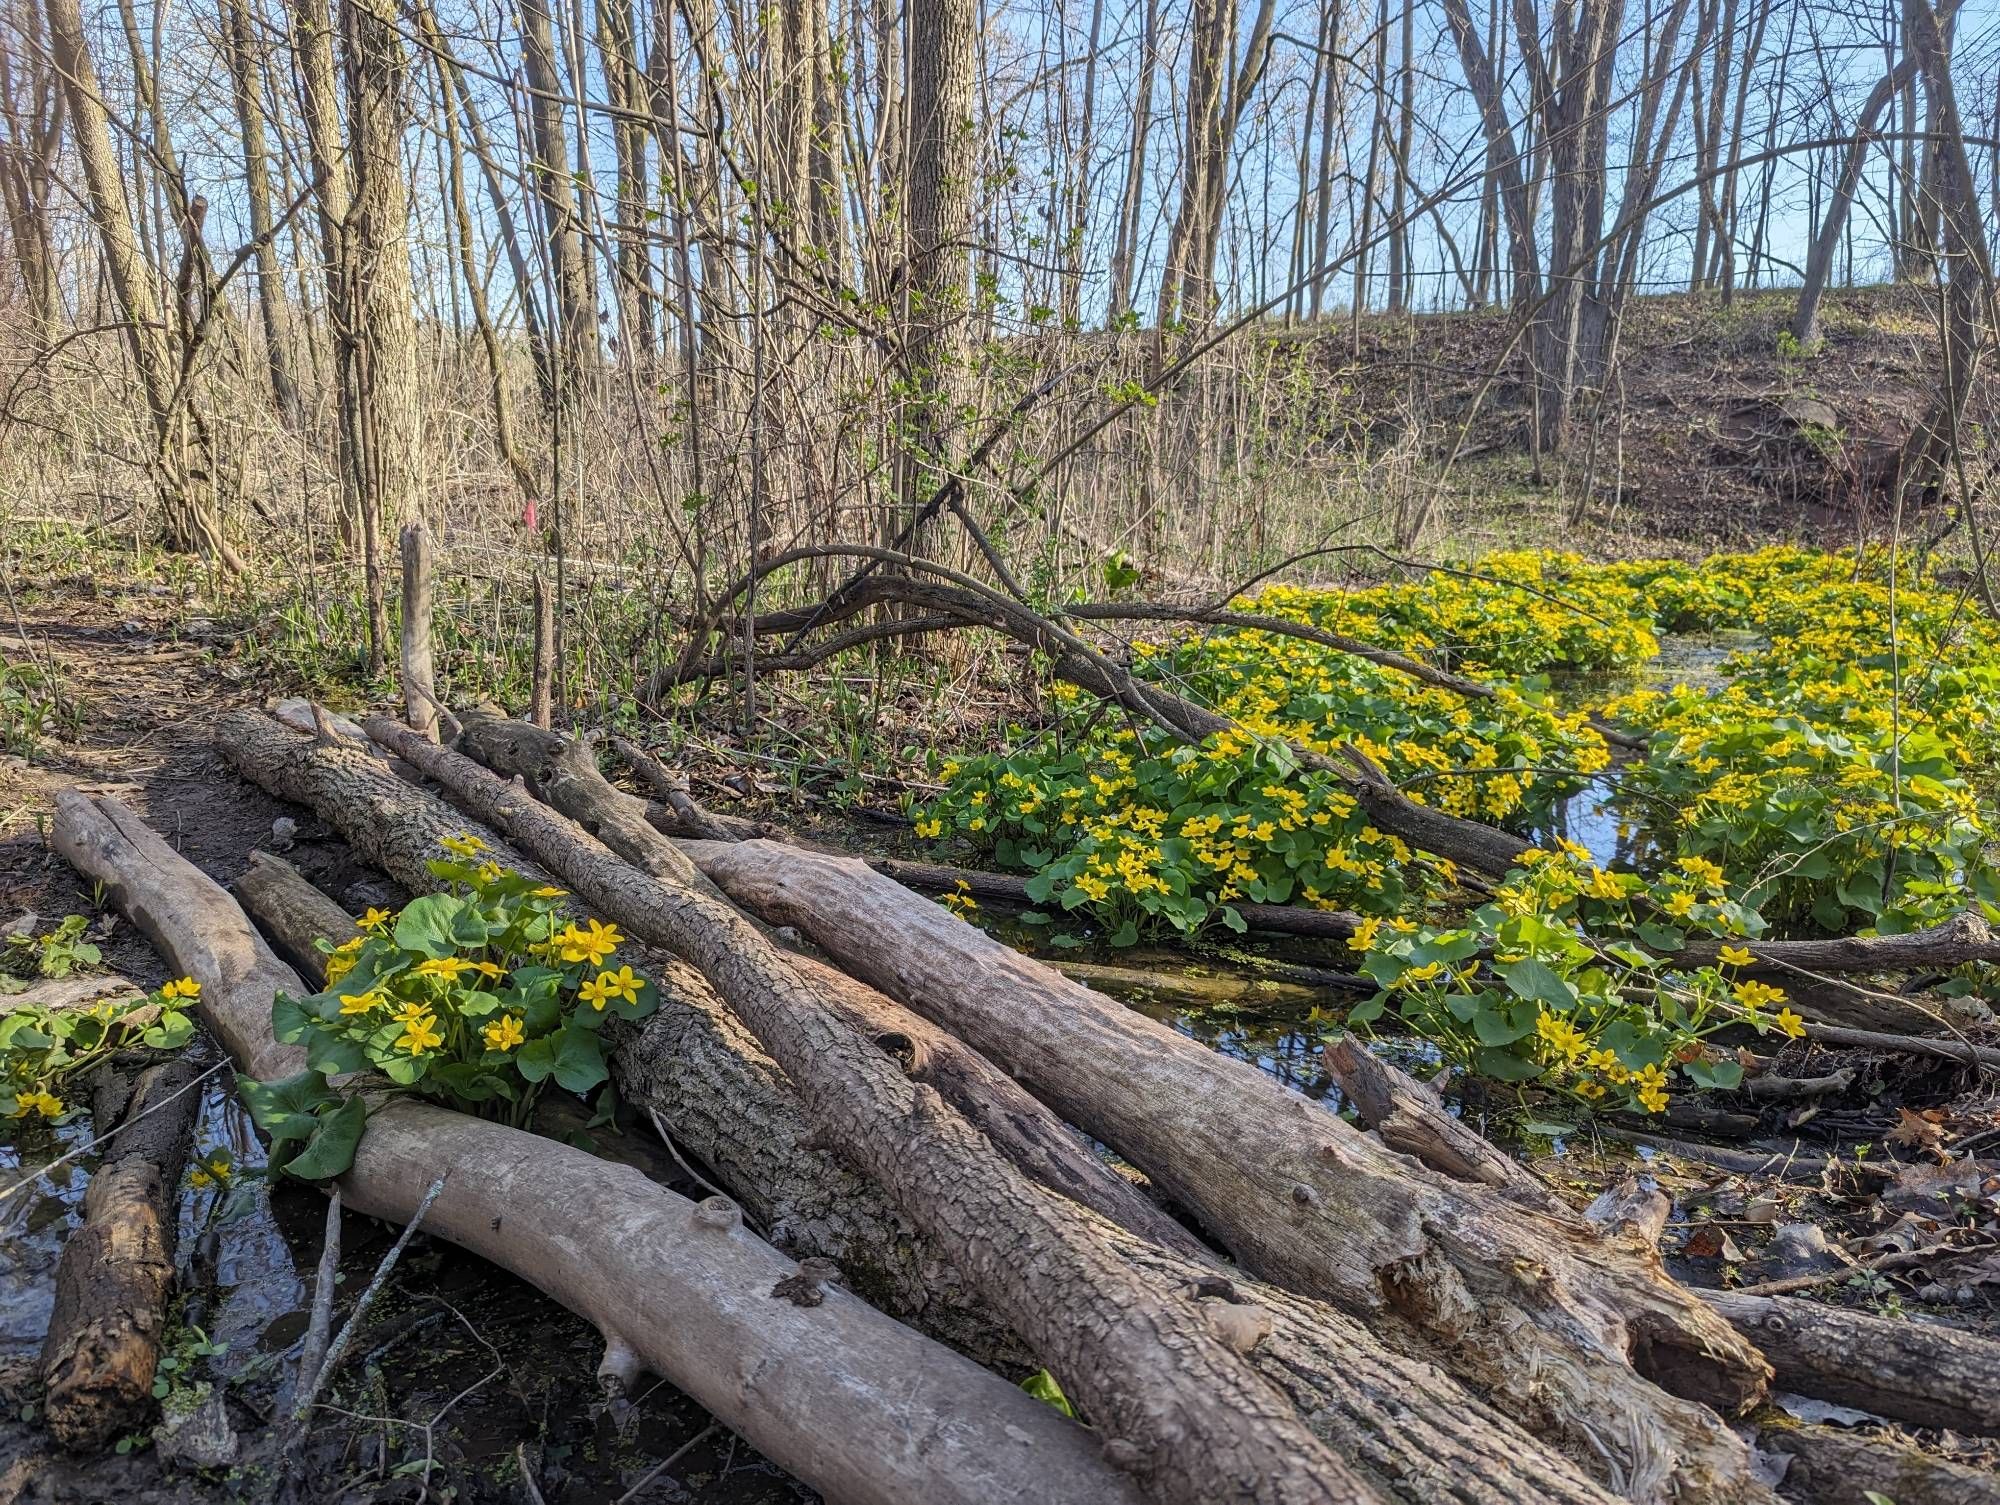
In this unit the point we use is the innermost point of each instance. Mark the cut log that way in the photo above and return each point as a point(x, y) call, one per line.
point(1414, 1432)
point(1171, 1395)
point(1833, 1466)
point(292, 913)
point(1921, 1373)
point(858, 1406)
point(116, 1274)
point(1536, 1311)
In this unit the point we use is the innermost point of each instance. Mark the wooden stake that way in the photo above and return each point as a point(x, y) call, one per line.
point(419, 684)
point(541, 707)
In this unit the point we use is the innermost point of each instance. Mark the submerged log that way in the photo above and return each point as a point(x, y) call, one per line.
point(1409, 1428)
point(1536, 1311)
point(1175, 1402)
point(115, 1278)
point(858, 1406)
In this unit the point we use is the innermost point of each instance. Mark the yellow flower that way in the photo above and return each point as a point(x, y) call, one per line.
point(420, 1035)
point(410, 1013)
point(447, 967)
point(1653, 1098)
point(40, 1100)
point(361, 1003)
point(1364, 933)
point(595, 993)
point(489, 872)
point(504, 1033)
point(620, 984)
point(1734, 956)
point(593, 945)
point(929, 827)
point(465, 844)
point(1791, 1023)
point(374, 919)
point(185, 987)
point(1680, 904)
point(548, 892)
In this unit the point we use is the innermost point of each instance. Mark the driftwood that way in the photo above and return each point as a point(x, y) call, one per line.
point(1922, 1373)
point(858, 1406)
point(1412, 1431)
point(1300, 1197)
point(1833, 1466)
point(116, 1274)
point(1171, 1395)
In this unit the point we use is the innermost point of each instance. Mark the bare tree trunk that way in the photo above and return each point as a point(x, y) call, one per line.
point(31, 108)
point(576, 322)
point(182, 464)
point(1125, 245)
point(246, 72)
point(944, 147)
point(385, 416)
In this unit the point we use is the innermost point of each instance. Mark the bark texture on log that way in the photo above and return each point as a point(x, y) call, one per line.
point(1410, 1428)
point(693, 1061)
point(1538, 1312)
point(1173, 1399)
point(292, 913)
point(1921, 1373)
point(116, 1274)
point(564, 773)
point(1408, 1116)
point(1832, 1466)
point(858, 1406)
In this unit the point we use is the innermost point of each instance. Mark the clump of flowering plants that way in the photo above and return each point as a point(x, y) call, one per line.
point(476, 996)
point(1544, 985)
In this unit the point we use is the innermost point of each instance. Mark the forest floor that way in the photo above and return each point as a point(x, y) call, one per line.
point(131, 669)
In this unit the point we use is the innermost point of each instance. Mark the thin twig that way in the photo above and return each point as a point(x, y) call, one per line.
point(319, 1332)
point(667, 1462)
point(348, 1329)
point(109, 1134)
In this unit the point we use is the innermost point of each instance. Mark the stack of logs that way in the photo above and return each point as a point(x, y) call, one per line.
point(1386, 1314)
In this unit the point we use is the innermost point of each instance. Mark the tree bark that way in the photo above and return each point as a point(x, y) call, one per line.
point(116, 1274)
point(819, 1390)
point(244, 53)
point(1411, 1430)
point(1832, 1466)
point(564, 773)
point(1159, 1380)
point(1298, 1196)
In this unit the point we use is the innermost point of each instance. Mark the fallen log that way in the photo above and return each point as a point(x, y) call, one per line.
point(1922, 1373)
point(855, 1404)
point(1833, 1466)
point(115, 1278)
point(1300, 1197)
point(1965, 937)
point(1173, 1398)
point(564, 773)
point(74, 992)
point(1408, 1116)
point(293, 915)
point(1411, 1430)
point(693, 1062)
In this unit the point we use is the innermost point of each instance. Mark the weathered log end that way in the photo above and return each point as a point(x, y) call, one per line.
point(116, 1275)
